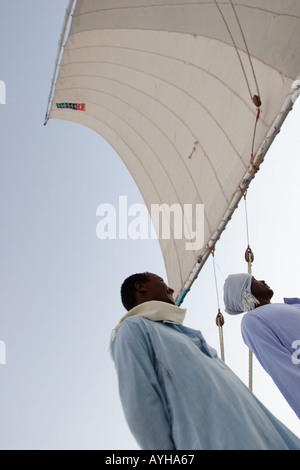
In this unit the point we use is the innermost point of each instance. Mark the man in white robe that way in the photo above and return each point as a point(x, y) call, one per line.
point(175, 391)
point(271, 331)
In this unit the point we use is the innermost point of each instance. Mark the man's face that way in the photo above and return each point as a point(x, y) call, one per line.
point(157, 289)
point(261, 291)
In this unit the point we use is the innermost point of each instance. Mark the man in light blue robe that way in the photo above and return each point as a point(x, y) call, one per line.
point(271, 331)
point(175, 391)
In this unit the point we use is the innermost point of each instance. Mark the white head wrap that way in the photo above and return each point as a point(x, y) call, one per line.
point(237, 294)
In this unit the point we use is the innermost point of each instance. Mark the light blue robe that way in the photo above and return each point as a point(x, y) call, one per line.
point(177, 394)
point(272, 332)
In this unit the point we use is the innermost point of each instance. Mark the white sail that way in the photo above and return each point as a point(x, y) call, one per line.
point(169, 84)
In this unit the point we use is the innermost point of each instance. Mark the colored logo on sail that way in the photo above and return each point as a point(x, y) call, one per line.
point(75, 106)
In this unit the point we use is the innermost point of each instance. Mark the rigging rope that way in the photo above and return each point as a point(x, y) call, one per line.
point(255, 98)
point(249, 257)
point(246, 46)
point(219, 318)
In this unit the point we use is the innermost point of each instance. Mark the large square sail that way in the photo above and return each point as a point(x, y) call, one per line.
point(190, 94)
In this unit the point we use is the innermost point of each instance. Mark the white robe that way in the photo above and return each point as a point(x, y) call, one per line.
point(178, 394)
point(272, 332)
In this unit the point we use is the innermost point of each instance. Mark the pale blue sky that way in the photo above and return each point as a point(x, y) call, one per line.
point(60, 284)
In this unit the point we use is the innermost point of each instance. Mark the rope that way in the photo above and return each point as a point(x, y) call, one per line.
point(254, 98)
point(257, 102)
point(219, 318)
point(254, 168)
point(249, 257)
point(246, 46)
point(220, 322)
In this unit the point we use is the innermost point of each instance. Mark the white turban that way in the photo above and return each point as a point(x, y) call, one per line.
point(237, 294)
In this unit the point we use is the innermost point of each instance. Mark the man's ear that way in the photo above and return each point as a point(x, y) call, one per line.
point(140, 286)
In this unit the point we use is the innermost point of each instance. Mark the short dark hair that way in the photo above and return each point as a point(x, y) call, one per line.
point(128, 289)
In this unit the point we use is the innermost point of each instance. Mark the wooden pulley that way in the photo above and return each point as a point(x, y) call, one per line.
point(220, 319)
point(249, 256)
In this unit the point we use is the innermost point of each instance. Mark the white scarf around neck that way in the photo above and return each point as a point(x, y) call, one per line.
point(153, 310)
